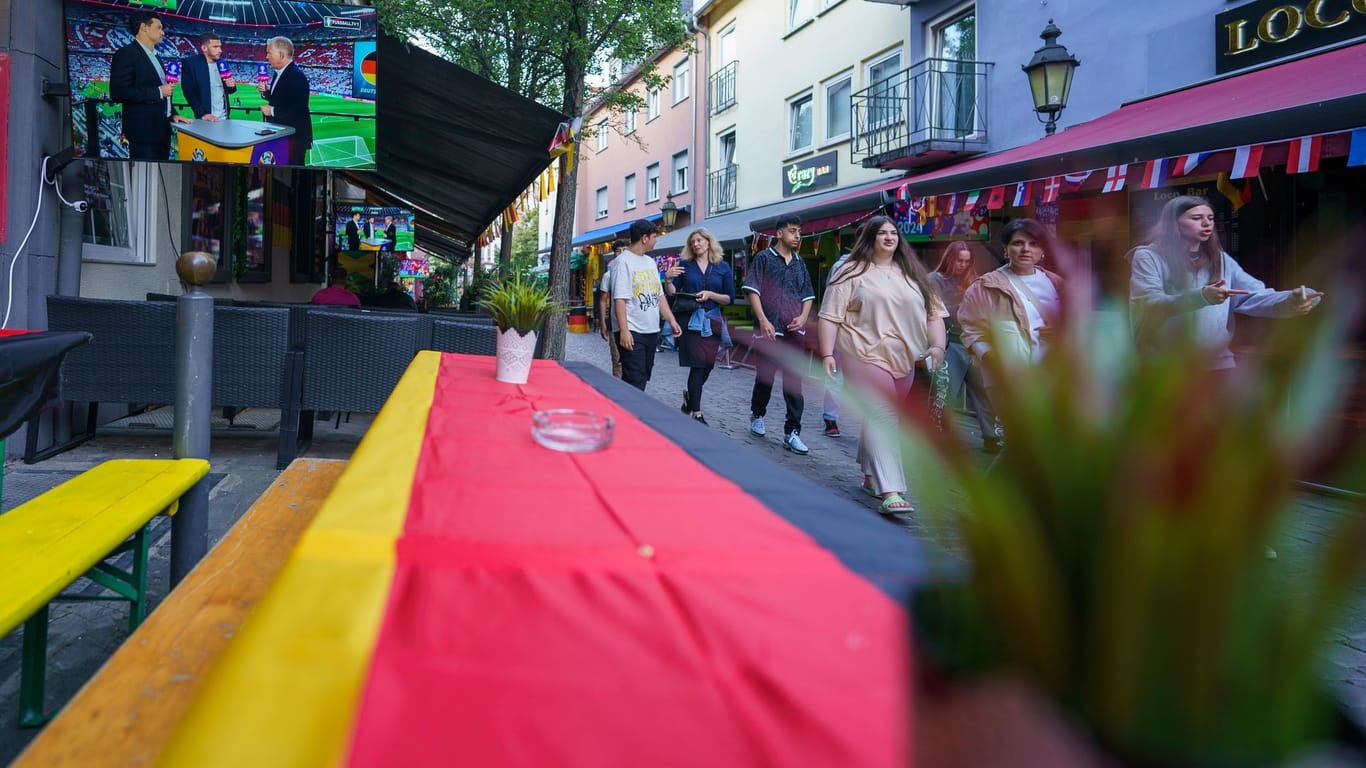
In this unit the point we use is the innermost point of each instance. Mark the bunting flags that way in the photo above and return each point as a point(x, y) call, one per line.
point(1154, 175)
point(1115, 176)
point(948, 204)
point(566, 136)
point(903, 192)
point(929, 206)
point(971, 201)
point(1051, 188)
point(1356, 153)
point(1023, 193)
point(1304, 155)
point(996, 199)
point(1238, 197)
point(1247, 161)
point(1185, 164)
point(1073, 181)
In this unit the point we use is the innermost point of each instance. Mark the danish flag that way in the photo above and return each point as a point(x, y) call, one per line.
point(1115, 176)
point(1154, 175)
point(1185, 164)
point(1247, 161)
point(1023, 191)
point(1304, 155)
point(1051, 188)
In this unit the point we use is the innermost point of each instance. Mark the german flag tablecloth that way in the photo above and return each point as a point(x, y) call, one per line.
point(467, 597)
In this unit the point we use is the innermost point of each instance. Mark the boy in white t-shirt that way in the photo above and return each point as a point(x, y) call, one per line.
point(638, 305)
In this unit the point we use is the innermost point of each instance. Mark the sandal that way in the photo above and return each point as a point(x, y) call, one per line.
point(869, 489)
point(895, 504)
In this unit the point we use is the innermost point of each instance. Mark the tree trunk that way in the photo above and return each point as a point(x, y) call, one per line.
point(563, 232)
point(505, 249)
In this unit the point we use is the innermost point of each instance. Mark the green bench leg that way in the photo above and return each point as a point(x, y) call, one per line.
point(32, 672)
point(126, 585)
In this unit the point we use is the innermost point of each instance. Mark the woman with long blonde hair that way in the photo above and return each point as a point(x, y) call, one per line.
point(956, 271)
point(703, 276)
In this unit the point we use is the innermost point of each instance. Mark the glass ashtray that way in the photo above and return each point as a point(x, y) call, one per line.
point(564, 429)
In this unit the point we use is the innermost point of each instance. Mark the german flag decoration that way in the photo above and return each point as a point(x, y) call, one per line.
point(566, 136)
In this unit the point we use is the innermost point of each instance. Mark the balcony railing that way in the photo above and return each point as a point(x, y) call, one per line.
point(721, 189)
point(723, 88)
point(937, 105)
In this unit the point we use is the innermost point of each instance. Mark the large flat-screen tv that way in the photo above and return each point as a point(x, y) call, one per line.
point(374, 228)
point(258, 82)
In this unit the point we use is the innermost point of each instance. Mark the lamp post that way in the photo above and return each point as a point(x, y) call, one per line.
point(1050, 78)
point(668, 213)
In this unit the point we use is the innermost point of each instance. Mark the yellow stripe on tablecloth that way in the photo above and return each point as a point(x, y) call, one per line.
point(286, 689)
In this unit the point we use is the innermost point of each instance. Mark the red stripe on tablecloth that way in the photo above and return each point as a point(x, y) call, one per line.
point(526, 627)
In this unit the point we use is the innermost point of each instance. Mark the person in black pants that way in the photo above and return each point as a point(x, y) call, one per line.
point(637, 301)
point(287, 98)
point(137, 80)
point(779, 290)
point(702, 273)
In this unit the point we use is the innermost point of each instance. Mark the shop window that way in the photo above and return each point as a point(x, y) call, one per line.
point(228, 218)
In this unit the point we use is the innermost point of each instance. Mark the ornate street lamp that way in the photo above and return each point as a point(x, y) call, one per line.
point(1050, 78)
point(668, 213)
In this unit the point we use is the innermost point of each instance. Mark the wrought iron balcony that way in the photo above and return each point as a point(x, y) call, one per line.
point(723, 88)
point(721, 189)
point(932, 112)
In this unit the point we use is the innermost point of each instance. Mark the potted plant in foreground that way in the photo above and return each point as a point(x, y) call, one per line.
point(1122, 553)
point(519, 309)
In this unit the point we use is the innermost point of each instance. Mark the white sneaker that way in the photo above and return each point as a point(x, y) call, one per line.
point(794, 443)
point(756, 425)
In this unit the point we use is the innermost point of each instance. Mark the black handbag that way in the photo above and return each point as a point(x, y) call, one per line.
point(684, 303)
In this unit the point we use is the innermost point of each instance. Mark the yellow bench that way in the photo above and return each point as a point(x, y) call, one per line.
point(128, 710)
point(70, 532)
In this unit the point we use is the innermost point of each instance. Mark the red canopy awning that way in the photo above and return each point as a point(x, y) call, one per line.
point(1318, 94)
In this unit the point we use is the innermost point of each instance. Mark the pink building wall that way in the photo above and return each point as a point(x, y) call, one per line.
point(653, 141)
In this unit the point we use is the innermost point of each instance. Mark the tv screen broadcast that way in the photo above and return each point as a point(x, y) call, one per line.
point(373, 228)
point(257, 82)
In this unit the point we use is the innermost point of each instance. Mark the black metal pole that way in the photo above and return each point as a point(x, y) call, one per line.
point(193, 401)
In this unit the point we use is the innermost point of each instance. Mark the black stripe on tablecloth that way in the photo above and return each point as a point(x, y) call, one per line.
point(890, 557)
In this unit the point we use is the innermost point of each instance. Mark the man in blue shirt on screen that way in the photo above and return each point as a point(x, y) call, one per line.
point(207, 87)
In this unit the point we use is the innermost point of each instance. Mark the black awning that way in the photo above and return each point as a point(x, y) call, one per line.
point(451, 144)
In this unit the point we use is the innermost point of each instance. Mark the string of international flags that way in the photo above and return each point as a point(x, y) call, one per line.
point(1303, 156)
point(533, 195)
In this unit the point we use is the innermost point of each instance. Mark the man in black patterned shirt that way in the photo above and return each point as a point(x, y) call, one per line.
point(778, 286)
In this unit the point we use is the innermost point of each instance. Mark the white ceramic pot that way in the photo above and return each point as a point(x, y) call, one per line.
point(515, 352)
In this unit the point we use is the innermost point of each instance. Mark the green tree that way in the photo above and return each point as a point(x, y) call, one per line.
point(513, 42)
point(525, 242)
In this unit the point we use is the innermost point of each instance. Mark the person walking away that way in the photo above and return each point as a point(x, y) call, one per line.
point(830, 405)
point(1183, 282)
point(956, 271)
point(708, 279)
point(607, 321)
point(882, 314)
point(637, 301)
point(779, 291)
point(1010, 312)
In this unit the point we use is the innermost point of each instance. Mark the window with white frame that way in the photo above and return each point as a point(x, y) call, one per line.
point(651, 182)
point(886, 91)
point(799, 123)
point(726, 149)
point(651, 105)
point(116, 225)
point(600, 202)
point(680, 176)
point(628, 121)
point(680, 81)
point(630, 190)
point(954, 101)
point(799, 11)
point(600, 134)
point(727, 45)
point(837, 93)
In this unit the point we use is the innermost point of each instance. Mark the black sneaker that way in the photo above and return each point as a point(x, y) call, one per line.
point(831, 428)
point(698, 418)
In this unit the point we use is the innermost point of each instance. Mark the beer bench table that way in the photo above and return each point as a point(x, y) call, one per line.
point(467, 597)
point(123, 715)
point(69, 532)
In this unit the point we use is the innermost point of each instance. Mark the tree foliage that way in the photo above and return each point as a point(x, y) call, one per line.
point(545, 50)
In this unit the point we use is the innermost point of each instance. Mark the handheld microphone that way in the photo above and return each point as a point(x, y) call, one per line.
point(262, 74)
point(172, 72)
point(224, 71)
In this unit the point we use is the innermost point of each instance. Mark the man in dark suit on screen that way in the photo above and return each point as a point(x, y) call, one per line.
point(138, 81)
point(353, 232)
point(205, 87)
point(287, 97)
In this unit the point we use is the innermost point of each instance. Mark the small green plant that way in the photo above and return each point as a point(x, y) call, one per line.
point(1118, 549)
point(519, 304)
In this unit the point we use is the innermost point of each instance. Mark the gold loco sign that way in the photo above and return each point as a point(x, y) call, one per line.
point(1267, 30)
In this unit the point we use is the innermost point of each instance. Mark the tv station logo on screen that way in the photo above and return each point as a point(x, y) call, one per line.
point(341, 22)
point(363, 74)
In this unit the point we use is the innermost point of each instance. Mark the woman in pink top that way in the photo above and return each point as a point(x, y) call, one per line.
point(883, 314)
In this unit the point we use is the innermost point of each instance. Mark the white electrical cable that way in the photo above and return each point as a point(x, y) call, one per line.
point(9, 300)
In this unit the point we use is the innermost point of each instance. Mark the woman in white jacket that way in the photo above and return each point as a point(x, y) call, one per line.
point(1183, 283)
